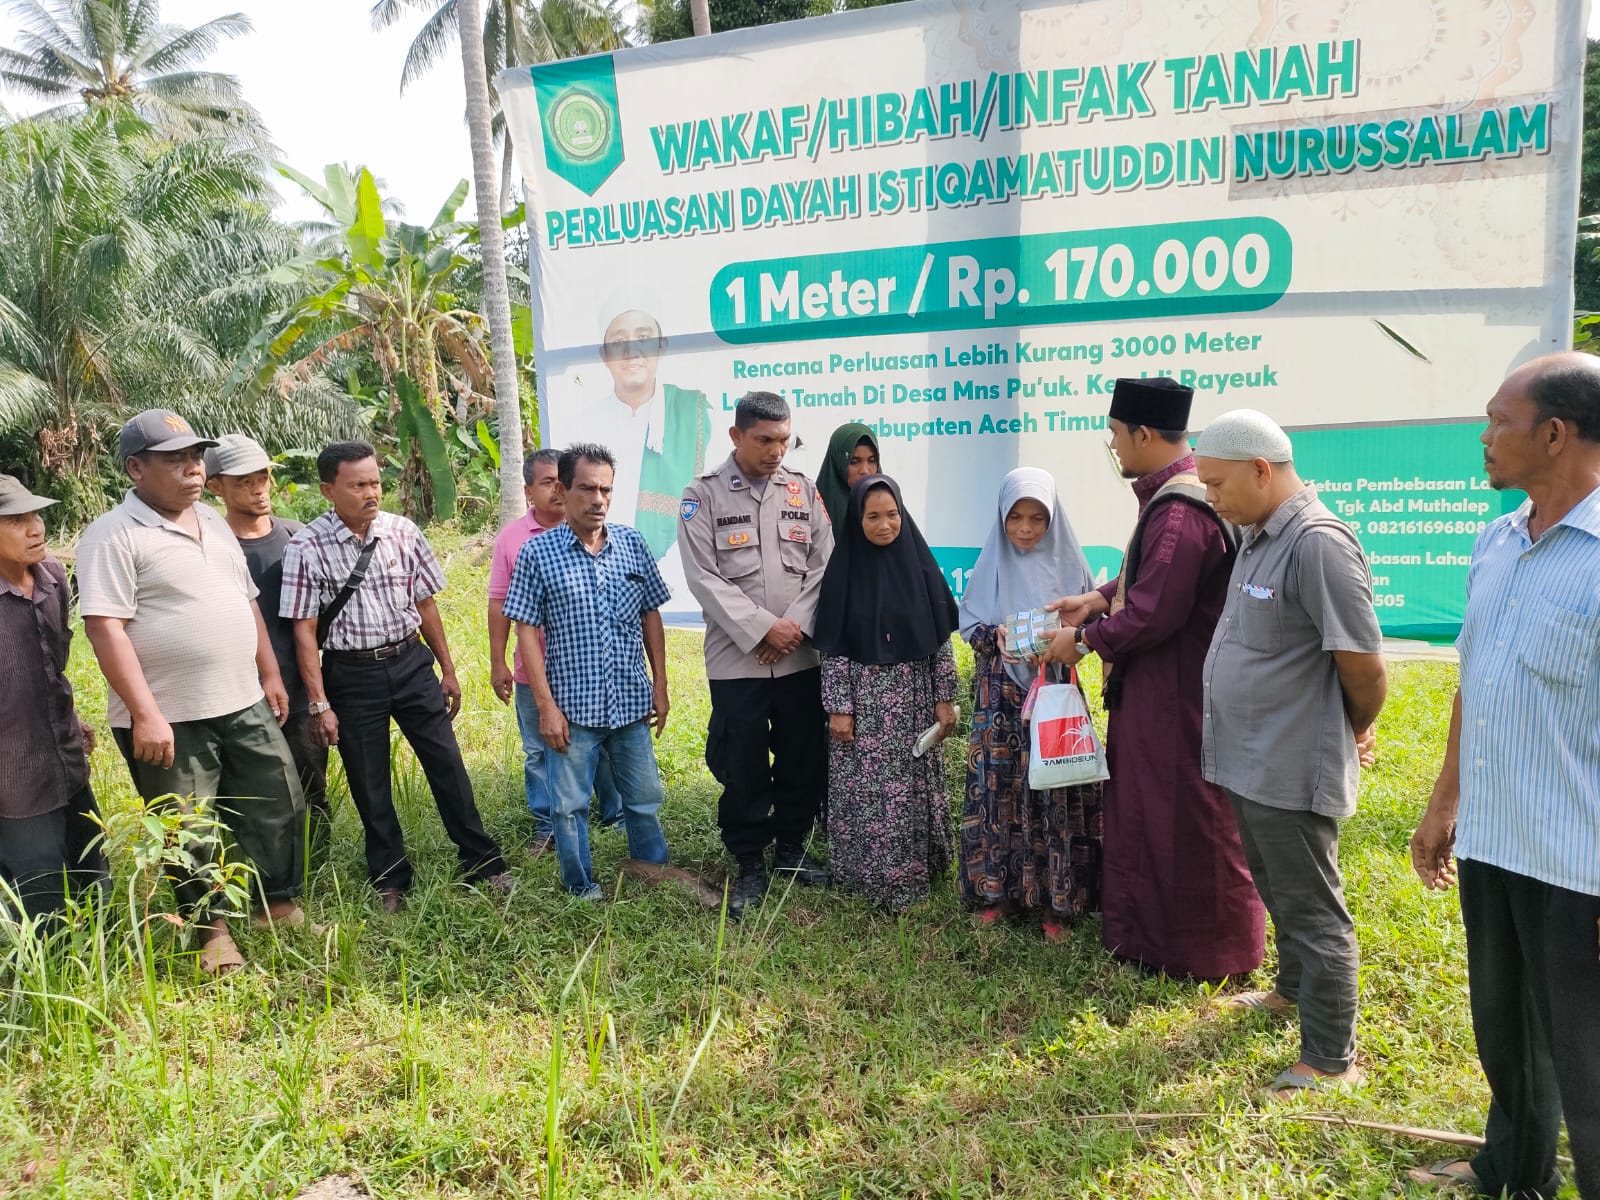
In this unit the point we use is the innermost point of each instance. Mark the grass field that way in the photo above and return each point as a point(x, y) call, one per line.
point(529, 1046)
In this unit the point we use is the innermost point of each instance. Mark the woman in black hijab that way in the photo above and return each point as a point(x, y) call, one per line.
point(884, 620)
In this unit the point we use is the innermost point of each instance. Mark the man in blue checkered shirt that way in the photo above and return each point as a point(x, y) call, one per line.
point(595, 591)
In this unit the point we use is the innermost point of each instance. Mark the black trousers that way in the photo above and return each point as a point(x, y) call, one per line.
point(1533, 965)
point(45, 859)
point(311, 764)
point(365, 695)
point(767, 746)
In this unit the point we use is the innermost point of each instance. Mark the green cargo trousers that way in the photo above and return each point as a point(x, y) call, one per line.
point(242, 763)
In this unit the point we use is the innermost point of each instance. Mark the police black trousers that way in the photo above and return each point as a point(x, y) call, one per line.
point(767, 746)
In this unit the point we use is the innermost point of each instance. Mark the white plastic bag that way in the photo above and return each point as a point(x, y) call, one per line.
point(1063, 748)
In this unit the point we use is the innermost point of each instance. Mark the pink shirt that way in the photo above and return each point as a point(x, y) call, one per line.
point(508, 544)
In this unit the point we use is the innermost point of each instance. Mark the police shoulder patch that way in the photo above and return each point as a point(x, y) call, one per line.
point(688, 509)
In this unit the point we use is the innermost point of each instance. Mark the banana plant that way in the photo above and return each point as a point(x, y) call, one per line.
point(420, 440)
point(370, 284)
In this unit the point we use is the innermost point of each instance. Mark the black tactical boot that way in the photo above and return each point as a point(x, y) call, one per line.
point(807, 871)
point(749, 889)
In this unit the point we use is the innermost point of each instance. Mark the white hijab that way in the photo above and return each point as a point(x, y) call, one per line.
point(1007, 580)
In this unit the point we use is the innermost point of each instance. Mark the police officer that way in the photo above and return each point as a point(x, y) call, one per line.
point(755, 540)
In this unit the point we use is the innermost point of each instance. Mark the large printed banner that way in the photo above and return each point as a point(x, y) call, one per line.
point(959, 221)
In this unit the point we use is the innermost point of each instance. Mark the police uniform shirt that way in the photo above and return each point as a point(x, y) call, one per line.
point(752, 558)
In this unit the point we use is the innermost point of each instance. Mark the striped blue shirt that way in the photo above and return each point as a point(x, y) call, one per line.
point(1530, 700)
point(591, 608)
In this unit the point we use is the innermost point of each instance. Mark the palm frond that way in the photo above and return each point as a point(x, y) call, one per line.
point(25, 401)
point(433, 41)
point(103, 33)
point(41, 27)
point(143, 18)
point(202, 103)
point(176, 49)
point(20, 73)
point(389, 12)
point(50, 62)
point(316, 413)
point(18, 335)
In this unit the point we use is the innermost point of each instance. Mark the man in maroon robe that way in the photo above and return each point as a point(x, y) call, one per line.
point(1178, 897)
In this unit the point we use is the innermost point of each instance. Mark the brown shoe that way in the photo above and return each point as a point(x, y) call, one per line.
point(539, 847)
point(504, 883)
point(392, 900)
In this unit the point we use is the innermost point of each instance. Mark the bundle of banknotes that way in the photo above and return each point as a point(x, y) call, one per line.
point(1025, 631)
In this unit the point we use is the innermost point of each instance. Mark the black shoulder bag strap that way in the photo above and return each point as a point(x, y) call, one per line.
point(328, 615)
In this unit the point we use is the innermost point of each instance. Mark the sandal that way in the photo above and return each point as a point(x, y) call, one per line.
point(1054, 931)
point(294, 919)
point(989, 917)
point(1290, 1081)
point(1450, 1173)
point(1259, 1002)
point(220, 956)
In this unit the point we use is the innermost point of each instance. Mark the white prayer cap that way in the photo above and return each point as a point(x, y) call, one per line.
point(1242, 435)
point(625, 300)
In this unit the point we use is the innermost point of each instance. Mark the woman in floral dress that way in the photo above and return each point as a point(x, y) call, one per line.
point(1022, 852)
point(884, 620)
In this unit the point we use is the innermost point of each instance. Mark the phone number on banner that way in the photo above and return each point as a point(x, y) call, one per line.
point(1411, 527)
point(1194, 267)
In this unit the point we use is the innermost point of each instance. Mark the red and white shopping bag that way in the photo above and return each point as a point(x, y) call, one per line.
point(1064, 750)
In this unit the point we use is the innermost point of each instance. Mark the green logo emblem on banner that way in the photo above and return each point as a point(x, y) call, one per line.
point(579, 117)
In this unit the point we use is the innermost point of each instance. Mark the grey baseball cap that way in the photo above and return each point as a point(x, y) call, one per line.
point(236, 454)
point(158, 429)
point(15, 500)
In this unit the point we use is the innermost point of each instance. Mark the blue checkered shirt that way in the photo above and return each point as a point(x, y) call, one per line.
point(591, 608)
point(1530, 691)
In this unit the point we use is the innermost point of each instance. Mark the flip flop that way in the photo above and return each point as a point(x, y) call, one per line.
point(1289, 1080)
point(1053, 930)
point(1449, 1173)
point(220, 956)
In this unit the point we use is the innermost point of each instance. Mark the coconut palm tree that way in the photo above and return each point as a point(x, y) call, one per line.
point(496, 295)
point(93, 53)
point(131, 273)
point(515, 33)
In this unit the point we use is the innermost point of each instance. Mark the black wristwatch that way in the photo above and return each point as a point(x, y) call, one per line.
point(1077, 639)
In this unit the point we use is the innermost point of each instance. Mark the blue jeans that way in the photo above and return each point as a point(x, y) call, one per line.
point(572, 777)
point(534, 772)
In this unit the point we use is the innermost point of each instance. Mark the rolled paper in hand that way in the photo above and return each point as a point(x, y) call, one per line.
point(930, 735)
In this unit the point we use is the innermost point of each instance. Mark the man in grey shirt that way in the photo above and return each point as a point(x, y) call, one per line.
point(196, 700)
point(1292, 684)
